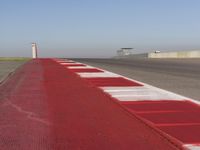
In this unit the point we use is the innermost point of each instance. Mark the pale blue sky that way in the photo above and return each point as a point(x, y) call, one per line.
point(97, 28)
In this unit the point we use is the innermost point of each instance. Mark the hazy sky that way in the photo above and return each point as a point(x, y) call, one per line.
point(97, 28)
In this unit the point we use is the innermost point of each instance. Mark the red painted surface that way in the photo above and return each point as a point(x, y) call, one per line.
point(163, 106)
point(66, 62)
point(188, 134)
point(179, 119)
point(172, 117)
point(73, 65)
point(44, 106)
point(86, 70)
point(115, 81)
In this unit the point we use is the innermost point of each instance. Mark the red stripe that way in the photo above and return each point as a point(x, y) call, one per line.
point(188, 134)
point(73, 65)
point(163, 105)
point(66, 62)
point(179, 119)
point(86, 70)
point(176, 124)
point(115, 81)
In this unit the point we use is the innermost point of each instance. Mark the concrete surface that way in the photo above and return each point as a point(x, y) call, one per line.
point(181, 54)
point(7, 67)
point(181, 76)
point(133, 56)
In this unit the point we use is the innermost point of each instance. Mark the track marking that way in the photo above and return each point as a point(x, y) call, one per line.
point(176, 124)
point(192, 146)
point(67, 63)
point(97, 75)
point(145, 95)
point(139, 93)
point(79, 67)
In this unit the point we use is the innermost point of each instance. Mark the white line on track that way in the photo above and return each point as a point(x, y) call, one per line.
point(97, 75)
point(131, 93)
point(79, 67)
point(66, 63)
point(192, 146)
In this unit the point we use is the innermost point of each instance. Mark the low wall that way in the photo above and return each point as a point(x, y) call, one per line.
point(181, 54)
point(143, 55)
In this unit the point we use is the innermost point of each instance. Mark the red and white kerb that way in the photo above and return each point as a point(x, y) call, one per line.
point(174, 115)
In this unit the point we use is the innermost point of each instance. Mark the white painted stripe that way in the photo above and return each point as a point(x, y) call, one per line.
point(63, 63)
point(139, 93)
point(121, 88)
point(131, 95)
point(192, 146)
point(79, 67)
point(135, 92)
point(97, 75)
point(145, 98)
point(124, 90)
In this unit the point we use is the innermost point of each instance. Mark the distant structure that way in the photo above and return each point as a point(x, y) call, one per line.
point(34, 50)
point(175, 54)
point(124, 52)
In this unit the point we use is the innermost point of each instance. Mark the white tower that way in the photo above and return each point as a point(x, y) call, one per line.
point(34, 50)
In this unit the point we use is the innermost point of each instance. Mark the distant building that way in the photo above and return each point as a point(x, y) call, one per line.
point(124, 52)
point(156, 51)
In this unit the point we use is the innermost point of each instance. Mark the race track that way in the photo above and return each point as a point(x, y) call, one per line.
point(181, 76)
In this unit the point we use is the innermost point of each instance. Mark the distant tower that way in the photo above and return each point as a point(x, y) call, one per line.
point(34, 50)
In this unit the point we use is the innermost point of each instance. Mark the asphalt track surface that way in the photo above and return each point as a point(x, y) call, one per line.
point(45, 106)
point(6, 67)
point(181, 76)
